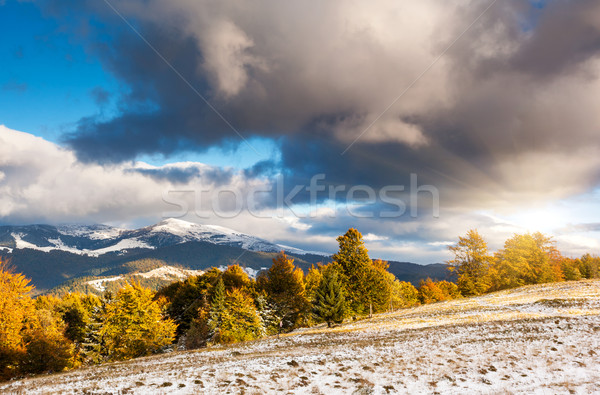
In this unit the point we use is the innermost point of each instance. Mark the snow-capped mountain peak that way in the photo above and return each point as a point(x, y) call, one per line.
point(96, 240)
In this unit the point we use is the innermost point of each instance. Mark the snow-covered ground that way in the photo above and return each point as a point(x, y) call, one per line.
point(537, 339)
point(100, 284)
point(169, 273)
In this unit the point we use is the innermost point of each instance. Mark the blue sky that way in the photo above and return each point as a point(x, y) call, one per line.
point(48, 83)
point(46, 80)
point(503, 124)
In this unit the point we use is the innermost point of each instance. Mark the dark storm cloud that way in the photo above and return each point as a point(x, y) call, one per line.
point(185, 175)
point(490, 121)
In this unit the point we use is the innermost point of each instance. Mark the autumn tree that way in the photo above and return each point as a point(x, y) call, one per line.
point(312, 280)
point(525, 259)
point(570, 268)
point(449, 289)
point(235, 277)
point(284, 286)
point(402, 294)
point(589, 266)
point(430, 292)
point(15, 306)
point(47, 347)
point(471, 263)
point(240, 321)
point(134, 325)
point(329, 302)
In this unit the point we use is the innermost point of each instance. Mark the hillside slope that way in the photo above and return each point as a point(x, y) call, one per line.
point(535, 339)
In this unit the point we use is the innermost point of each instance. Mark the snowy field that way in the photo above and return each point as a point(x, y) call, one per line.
point(537, 339)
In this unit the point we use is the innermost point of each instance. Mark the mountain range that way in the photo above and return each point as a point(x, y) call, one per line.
point(52, 256)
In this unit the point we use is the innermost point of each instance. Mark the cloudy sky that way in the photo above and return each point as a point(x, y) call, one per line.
point(293, 121)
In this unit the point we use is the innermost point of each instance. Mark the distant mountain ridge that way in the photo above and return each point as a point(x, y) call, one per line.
point(52, 256)
point(96, 240)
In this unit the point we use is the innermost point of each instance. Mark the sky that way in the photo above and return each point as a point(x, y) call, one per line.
point(294, 121)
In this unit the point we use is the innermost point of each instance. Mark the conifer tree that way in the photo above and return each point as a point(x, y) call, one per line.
point(329, 304)
point(92, 347)
point(217, 310)
point(365, 285)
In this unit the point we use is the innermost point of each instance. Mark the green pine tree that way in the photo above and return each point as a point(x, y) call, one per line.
point(357, 269)
point(92, 346)
point(329, 303)
point(217, 309)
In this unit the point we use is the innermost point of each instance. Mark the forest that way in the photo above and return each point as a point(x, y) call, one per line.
point(51, 333)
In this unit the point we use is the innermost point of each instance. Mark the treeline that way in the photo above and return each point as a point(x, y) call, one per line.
point(229, 306)
point(51, 333)
point(525, 259)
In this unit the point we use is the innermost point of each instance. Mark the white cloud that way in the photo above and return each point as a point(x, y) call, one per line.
point(43, 181)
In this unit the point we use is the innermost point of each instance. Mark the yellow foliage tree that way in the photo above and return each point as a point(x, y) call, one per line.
point(15, 306)
point(134, 325)
point(471, 263)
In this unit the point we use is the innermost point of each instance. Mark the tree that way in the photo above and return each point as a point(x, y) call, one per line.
point(526, 259)
point(449, 289)
point(76, 311)
point(329, 304)
point(134, 325)
point(284, 286)
point(430, 292)
point(240, 321)
point(15, 306)
point(589, 266)
point(48, 350)
point(93, 350)
point(217, 310)
point(235, 277)
point(570, 269)
point(357, 268)
point(403, 294)
point(378, 286)
point(471, 263)
point(312, 281)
